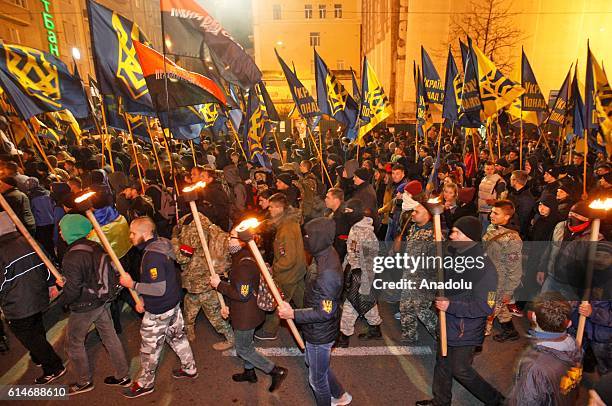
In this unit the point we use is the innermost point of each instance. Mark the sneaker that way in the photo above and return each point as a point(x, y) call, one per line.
point(75, 388)
point(345, 399)
point(223, 345)
point(264, 335)
point(45, 379)
point(180, 373)
point(514, 310)
point(112, 381)
point(397, 316)
point(136, 391)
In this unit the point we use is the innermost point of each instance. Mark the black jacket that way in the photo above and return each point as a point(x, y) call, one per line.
point(366, 193)
point(79, 268)
point(20, 204)
point(24, 279)
point(320, 319)
point(215, 204)
point(525, 205)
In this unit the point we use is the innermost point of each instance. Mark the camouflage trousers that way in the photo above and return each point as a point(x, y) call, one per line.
point(209, 303)
point(413, 310)
point(155, 330)
point(501, 312)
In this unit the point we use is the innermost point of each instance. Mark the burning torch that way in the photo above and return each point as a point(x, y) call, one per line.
point(599, 209)
point(190, 194)
point(26, 234)
point(244, 234)
point(84, 203)
point(436, 208)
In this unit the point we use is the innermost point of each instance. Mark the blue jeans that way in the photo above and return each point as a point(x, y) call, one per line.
point(245, 349)
point(320, 376)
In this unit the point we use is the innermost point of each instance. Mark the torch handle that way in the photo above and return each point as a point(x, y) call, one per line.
point(266, 274)
point(594, 237)
point(26, 234)
point(581, 325)
point(109, 250)
point(209, 262)
point(441, 313)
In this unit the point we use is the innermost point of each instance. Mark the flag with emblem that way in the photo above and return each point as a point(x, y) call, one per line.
point(559, 111)
point(304, 102)
point(332, 97)
point(465, 53)
point(590, 113)
point(467, 91)
point(265, 101)
point(424, 118)
point(254, 128)
point(449, 106)
point(531, 106)
point(356, 91)
point(603, 92)
point(496, 90)
point(117, 67)
point(42, 130)
point(36, 82)
point(577, 108)
point(190, 29)
point(433, 88)
point(375, 106)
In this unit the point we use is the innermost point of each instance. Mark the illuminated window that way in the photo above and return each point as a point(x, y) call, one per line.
point(276, 12)
point(14, 35)
point(315, 39)
point(308, 11)
point(337, 10)
point(340, 64)
point(20, 3)
point(322, 11)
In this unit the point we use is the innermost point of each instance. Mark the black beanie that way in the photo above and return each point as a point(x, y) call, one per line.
point(286, 178)
point(470, 226)
point(364, 174)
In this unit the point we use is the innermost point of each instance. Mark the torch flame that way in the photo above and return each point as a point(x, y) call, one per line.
point(601, 204)
point(246, 224)
point(201, 184)
point(84, 197)
point(435, 200)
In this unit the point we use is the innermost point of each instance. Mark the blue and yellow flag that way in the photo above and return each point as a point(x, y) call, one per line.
point(590, 113)
point(496, 90)
point(450, 105)
point(265, 101)
point(467, 91)
point(332, 97)
point(465, 53)
point(254, 128)
point(44, 131)
point(305, 103)
point(577, 108)
point(117, 67)
point(356, 91)
point(375, 106)
point(36, 82)
point(603, 92)
point(560, 109)
point(423, 116)
point(432, 84)
point(531, 106)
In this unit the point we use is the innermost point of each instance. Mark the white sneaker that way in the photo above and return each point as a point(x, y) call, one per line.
point(344, 400)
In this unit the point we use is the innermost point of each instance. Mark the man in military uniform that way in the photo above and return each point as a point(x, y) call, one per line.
point(163, 321)
point(196, 275)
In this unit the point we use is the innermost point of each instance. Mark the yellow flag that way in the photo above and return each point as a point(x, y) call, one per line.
point(375, 106)
point(496, 90)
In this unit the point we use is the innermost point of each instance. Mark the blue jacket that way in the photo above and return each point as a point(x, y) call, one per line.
point(598, 327)
point(467, 313)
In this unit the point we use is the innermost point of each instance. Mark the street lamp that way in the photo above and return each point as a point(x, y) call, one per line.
point(76, 53)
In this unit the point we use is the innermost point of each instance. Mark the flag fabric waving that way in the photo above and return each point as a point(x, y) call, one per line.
point(532, 103)
point(356, 91)
point(188, 26)
point(590, 113)
point(254, 127)
point(36, 82)
point(560, 109)
point(450, 106)
point(424, 119)
point(332, 97)
point(467, 91)
point(305, 103)
point(375, 106)
point(603, 92)
point(432, 84)
point(184, 88)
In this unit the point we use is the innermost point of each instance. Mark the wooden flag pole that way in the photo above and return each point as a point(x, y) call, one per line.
point(309, 131)
point(161, 172)
point(39, 147)
point(235, 134)
point(436, 208)
point(135, 154)
point(280, 153)
point(521, 142)
point(584, 161)
point(14, 141)
point(193, 153)
point(171, 162)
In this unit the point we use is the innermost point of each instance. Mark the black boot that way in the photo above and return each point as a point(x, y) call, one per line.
point(278, 375)
point(4, 344)
point(373, 333)
point(247, 376)
point(508, 333)
point(342, 341)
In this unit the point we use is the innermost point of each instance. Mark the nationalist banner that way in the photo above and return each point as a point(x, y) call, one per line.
point(356, 91)
point(424, 119)
point(590, 113)
point(558, 114)
point(188, 26)
point(375, 106)
point(533, 102)
point(254, 128)
point(36, 82)
point(265, 101)
point(467, 91)
point(433, 86)
point(603, 92)
point(117, 67)
point(332, 97)
point(305, 103)
point(171, 86)
point(450, 106)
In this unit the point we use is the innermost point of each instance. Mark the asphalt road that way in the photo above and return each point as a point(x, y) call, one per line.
point(382, 372)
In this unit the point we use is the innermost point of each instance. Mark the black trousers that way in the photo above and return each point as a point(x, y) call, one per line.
point(458, 364)
point(30, 332)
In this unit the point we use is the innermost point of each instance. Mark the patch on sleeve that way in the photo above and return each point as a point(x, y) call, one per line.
point(491, 299)
point(244, 290)
point(153, 273)
point(281, 250)
point(327, 306)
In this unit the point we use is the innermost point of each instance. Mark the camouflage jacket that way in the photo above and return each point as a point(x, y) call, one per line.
point(362, 247)
point(195, 275)
point(504, 246)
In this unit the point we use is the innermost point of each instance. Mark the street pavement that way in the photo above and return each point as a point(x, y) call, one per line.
point(382, 372)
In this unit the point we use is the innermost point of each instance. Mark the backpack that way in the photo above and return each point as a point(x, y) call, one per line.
point(167, 208)
point(104, 283)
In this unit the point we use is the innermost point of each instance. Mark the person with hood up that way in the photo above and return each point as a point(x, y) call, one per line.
point(548, 372)
point(345, 180)
point(284, 185)
point(238, 191)
point(320, 317)
point(358, 264)
point(162, 322)
point(42, 209)
point(364, 191)
point(19, 202)
point(523, 200)
point(568, 193)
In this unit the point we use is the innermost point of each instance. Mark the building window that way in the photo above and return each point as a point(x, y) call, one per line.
point(308, 11)
point(20, 3)
point(322, 11)
point(315, 39)
point(340, 64)
point(276, 12)
point(337, 10)
point(14, 35)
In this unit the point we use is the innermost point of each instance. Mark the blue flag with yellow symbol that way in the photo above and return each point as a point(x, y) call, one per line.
point(467, 89)
point(449, 106)
point(432, 84)
point(254, 128)
point(332, 97)
point(560, 109)
point(305, 103)
point(375, 106)
point(37, 82)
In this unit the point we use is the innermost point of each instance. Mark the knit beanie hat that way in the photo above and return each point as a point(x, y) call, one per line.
point(74, 226)
point(582, 208)
point(470, 226)
point(364, 174)
point(413, 187)
point(286, 178)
